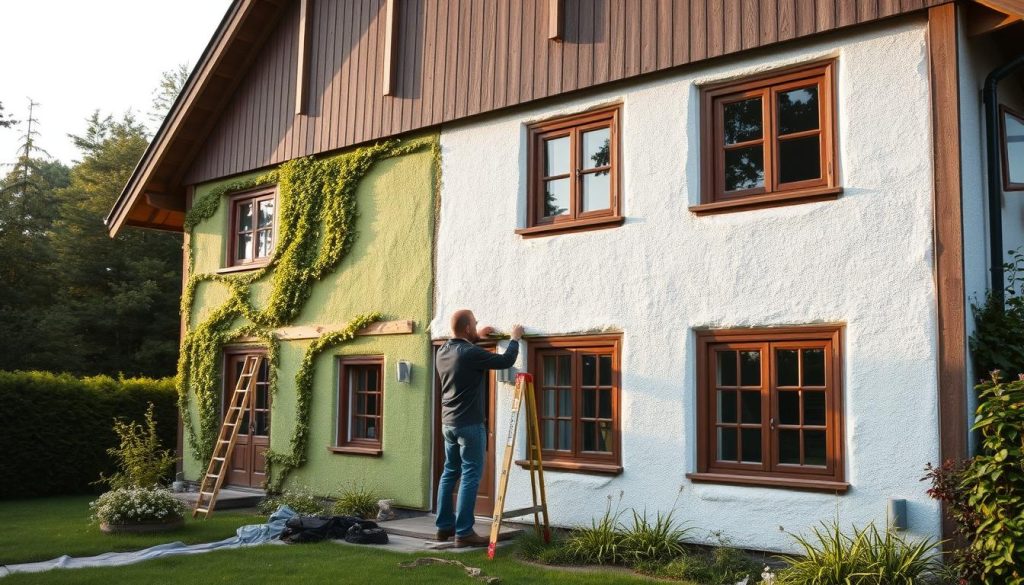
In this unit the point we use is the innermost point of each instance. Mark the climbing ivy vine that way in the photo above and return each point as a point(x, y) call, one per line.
point(316, 219)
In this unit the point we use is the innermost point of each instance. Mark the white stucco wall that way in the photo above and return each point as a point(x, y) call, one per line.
point(864, 260)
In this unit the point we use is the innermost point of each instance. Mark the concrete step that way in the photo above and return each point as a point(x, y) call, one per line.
point(423, 527)
point(228, 498)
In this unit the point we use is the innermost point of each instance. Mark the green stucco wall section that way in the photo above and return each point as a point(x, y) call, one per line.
point(389, 270)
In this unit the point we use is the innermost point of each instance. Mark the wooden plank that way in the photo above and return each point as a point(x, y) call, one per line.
point(733, 35)
point(750, 31)
point(888, 8)
point(948, 242)
point(440, 61)
point(648, 36)
point(716, 28)
point(665, 33)
point(408, 51)
point(332, 61)
point(587, 42)
point(300, 332)
point(681, 32)
point(787, 19)
point(634, 50)
point(305, 41)
point(476, 50)
point(553, 51)
point(500, 54)
point(556, 19)
point(513, 79)
point(600, 58)
point(451, 60)
point(867, 10)
point(464, 58)
point(531, 38)
point(365, 69)
point(698, 30)
point(826, 15)
point(846, 12)
point(805, 17)
point(376, 34)
point(570, 45)
point(390, 40)
point(769, 22)
point(617, 41)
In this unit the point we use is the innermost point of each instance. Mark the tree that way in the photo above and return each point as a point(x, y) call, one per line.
point(5, 120)
point(171, 84)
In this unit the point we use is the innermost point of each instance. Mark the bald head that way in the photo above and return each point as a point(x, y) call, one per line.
point(464, 324)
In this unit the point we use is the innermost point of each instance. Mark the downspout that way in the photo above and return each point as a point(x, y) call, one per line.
point(990, 96)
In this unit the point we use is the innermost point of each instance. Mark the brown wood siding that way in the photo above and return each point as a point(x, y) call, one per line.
point(458, 58)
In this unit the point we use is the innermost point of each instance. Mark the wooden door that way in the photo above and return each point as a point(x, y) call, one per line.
point(485, 493)
point(248, 465)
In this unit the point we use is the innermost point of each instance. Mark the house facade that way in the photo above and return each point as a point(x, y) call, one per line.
point(743, 236)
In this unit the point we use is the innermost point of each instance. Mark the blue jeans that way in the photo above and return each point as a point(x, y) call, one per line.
point(464, 449)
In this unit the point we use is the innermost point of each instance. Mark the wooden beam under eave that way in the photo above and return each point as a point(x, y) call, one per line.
point(943, 67)
point(165, 202)
point(982, 20)
point(301, 332)
point(556, 20)
point(305, 45)
point(390, 47)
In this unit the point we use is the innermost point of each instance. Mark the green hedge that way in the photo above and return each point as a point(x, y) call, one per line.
point(55, 429)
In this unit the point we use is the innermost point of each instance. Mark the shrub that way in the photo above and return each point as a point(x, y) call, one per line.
point(597, 544)
point(357, 500)
point(57, 427)
point(137, 504)
point(654, 541)
point(141, 462)
point(867, 557)
point(949, 485)
point(721, 566)
point(302, 500)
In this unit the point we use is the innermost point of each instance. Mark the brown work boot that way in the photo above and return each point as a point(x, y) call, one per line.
point(471, 539)
point(443, 535)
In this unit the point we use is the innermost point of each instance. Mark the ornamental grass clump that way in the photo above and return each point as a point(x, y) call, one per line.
point(597, 544)
point(137, 505)
point(357, 500)
point(654, 540)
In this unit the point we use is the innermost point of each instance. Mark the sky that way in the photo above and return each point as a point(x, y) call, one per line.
point(76, 56)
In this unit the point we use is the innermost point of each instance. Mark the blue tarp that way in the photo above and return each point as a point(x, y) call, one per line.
point(251, 535)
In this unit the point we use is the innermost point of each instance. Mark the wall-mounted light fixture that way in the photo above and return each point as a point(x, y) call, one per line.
point(506, 376)
point(896, 513)
point(404, 372)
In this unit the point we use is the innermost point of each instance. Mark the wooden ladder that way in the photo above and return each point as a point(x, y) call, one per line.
point(241, 398)
point(539, 509)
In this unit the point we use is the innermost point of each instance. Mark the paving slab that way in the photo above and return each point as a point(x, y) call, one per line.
point(422, 528)
point(227, 498)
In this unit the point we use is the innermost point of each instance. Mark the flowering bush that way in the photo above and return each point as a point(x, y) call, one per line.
point(137, 505)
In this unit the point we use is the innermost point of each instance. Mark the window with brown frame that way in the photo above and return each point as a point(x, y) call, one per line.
point(769, 140)
point(577, 389)
point(573, 172)
point(1013, 149)
point(360, 405)
point(252, 227)
point(769, 406)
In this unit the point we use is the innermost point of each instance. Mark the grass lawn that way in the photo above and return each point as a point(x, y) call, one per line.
point(43, 529)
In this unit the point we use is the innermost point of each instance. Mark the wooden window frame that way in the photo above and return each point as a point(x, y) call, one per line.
point(578, 460)
point(769, 472)
point(714, 198)
point(360, 446)
point(573, 127)
point(255, 196)
point(1004, 146)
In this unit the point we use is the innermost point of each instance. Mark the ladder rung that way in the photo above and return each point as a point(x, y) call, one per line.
point(203, 510)
point(522, 512)
point(223, 441)
point(206, 493)
point(213, 475)
point(218, 459)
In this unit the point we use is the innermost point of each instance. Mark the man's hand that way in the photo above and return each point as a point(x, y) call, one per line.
point(484, 331)
point(517, 332)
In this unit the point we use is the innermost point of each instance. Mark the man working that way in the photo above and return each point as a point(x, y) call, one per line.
point(462, 368)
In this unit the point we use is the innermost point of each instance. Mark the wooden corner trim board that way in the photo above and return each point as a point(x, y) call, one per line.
point(948, 234)
point(299, 332)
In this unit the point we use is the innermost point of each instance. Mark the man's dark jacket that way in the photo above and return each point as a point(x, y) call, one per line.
point(462, 368)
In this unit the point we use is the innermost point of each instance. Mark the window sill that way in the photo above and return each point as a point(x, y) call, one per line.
point(769, 200)
point(366, 451)
point(576, 466)
point(820, 485)
point(242, 268)
point(571, 226)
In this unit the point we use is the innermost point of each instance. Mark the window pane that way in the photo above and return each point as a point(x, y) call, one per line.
point(556, 197)
point(590, 370)
point(814, 408)
point(789, 446)
point(604, 436)
point(604, 404)
point(550, 370)
point(798, 110)
point(814, 448)
point(789, 408)
point(750, 368)
point(263, 423)
point(565, 370)
point(262, 393)
point(596, 148)
point(589, 436)
point(814, 367)
point(787, 364)
point(243, 247)
point(744, 168)
point(245, 217)
point(727, 444)
point(605, 377)
point(565, 435)
point(727, 406)
point(597, 191)
point(548, 408)
point(549, 434)
point(360, 403)
point(371, 428)
point(726, 368)
point(372, 376)
point(743, 121)
point(589, 404)
point(565, 402)
point(750, 407)
point(264, 241)
point(556, 160)
point(799, 159)
point(371, 404)
point(266, 214)
point(751, 439)
point(1014, 148)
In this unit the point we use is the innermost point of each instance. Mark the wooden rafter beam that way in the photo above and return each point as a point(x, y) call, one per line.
point(305, 45)
point(556, 20)
point(300, 332)
point(982, 19)
point(390, 47)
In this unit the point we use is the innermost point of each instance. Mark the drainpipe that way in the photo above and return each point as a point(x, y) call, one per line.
point(995, 202)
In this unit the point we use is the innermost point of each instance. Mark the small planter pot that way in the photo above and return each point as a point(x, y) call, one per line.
point(144, 527)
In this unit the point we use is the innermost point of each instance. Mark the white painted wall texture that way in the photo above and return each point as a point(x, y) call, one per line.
point(864, 260)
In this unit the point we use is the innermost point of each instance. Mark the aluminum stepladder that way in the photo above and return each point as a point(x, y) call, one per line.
point(241, 398)
point(523, 393)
